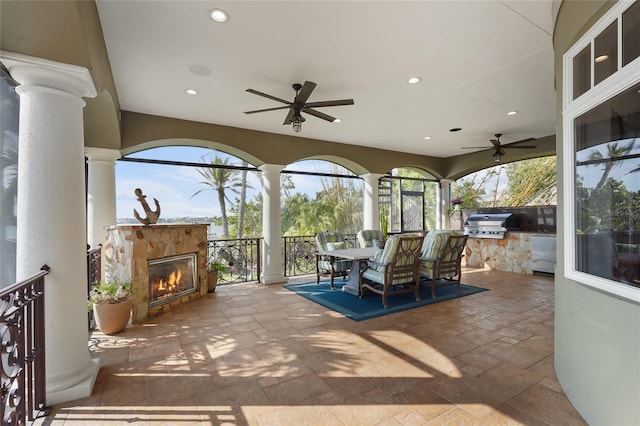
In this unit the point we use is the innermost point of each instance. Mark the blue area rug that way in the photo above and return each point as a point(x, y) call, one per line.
point(371, 305)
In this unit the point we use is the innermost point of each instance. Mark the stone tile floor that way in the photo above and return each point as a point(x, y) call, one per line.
point(262, 355)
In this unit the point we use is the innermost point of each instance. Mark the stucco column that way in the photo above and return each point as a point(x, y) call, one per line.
point(272, 272)
point(444, 204)
point(370, 201)
point(51, 213)
point(101, 194)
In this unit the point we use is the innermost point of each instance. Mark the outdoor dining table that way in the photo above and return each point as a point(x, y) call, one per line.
point(359, 257)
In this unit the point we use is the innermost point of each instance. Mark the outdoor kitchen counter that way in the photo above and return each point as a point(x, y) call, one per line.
point(512, 253)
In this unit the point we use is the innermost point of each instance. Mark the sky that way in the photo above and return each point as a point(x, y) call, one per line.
point(174, 186)
point(623, 171)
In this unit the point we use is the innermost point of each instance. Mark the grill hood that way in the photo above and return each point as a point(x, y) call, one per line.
point(487, 225)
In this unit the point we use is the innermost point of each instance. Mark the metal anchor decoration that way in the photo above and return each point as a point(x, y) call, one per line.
point(152, 216)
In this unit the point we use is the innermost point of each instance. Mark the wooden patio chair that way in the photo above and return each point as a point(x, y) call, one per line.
point(327, 240)
point(394, 269)
point(441, 259)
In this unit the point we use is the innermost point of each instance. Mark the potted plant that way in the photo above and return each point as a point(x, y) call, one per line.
point(111, 305)
point(214, 268)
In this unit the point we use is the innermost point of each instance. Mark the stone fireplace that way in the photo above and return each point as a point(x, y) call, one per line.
point(166, 264)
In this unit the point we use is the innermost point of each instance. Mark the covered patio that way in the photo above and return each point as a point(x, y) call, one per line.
point(245, 356)
point(255, 354)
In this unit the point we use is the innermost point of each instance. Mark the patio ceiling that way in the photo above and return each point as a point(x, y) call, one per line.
point(478, 60)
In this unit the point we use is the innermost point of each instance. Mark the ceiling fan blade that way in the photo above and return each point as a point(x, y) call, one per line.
point(289, 117)
point(305, 92)
point(266, 109)
point(318, 114)
point(264, 95)
point(329, 103)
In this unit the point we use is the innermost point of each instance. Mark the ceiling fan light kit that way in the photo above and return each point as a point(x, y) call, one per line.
point(300, 105)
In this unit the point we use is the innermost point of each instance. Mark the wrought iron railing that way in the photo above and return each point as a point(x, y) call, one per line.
point(94, 273)
point(23, 351)
point(241, 258)
point(299, 253)
point(94, 265)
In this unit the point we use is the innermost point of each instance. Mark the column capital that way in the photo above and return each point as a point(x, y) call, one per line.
point(446, 181)
point(372, 175)
point(41, 73)
point(271, 168)
point(102, 154)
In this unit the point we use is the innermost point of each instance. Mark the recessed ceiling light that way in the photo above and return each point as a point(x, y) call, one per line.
point(512, 112)
point(455, 129)
point(414, 80)
point(427, 138)
point(601, 58)
point(191, 92)
point(219, 15)
point(337, 120)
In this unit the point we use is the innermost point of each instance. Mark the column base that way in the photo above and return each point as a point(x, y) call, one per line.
point(274, 279)
point(78, 390)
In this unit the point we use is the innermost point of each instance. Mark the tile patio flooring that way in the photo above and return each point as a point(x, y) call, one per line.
point(262, 355)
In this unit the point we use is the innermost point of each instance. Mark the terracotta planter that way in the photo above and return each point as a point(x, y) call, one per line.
point(112, 318)
point(212, 281)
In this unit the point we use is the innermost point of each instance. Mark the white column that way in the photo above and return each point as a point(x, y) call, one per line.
point(272, 272)
point(51, 213)
point(101, 195)
point(444, 203)
point(370, 201)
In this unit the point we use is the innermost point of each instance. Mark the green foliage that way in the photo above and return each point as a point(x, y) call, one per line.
point(216, 266)
point(109, 292)
point(521, 183)
point(610, 207)
point(531, 182)
point(384, 220)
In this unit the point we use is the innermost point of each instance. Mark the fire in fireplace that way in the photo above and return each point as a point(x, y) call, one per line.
point(171, 277)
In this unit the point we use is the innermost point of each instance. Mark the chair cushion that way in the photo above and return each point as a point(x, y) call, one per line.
point(366, 236)
point(434, 243)
point(385, 255)
point(337, 245)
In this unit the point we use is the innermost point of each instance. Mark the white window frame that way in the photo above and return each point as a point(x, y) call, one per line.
point(613, 85)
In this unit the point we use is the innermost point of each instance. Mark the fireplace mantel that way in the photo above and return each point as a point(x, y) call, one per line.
point(128, 248)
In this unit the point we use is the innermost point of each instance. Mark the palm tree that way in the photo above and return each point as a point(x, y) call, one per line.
point(614, 150)
point(220, 179)
point(243, 198)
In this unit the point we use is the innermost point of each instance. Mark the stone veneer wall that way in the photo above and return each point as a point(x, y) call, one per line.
point(512, 254)
point(128, 248)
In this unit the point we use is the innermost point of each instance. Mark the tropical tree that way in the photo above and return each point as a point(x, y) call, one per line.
point(614, 150)
point(220, 179)
point(531, 182)
point(521, 183)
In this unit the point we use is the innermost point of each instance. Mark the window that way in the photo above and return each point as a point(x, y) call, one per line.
point(9, 117)
point(602, 157)
point(607, 179)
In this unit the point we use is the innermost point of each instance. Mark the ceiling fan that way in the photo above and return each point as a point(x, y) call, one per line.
point(300, 104)
point(498, 148)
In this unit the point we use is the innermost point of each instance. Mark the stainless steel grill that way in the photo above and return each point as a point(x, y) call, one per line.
point(489, 225)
